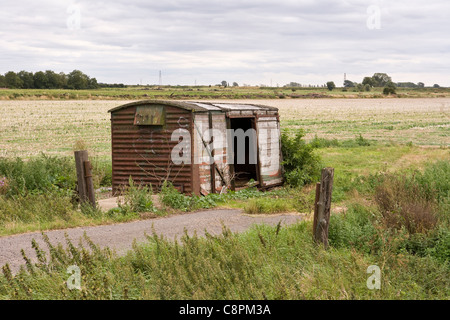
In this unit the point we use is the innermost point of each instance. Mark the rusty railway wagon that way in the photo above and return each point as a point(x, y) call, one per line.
point(195, 145)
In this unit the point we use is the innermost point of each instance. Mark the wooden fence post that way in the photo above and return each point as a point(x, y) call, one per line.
point(86, 190)
point(89, 183)
point(316, 208)
point(323, 205)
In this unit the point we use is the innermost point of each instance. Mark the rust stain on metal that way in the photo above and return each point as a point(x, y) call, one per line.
point(149, 115)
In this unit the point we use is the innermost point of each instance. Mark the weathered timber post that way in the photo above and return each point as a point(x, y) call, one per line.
point(89, 183)
point(316, 201)
point(84, 177)
point(322, 218)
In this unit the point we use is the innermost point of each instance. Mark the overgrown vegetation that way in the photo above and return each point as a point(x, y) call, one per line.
point(46, 173)
point(32, 208)
point(134, 199)
point(359, 141)
point(173, 199)
point(263, 263)
point(268, 205)
point(40, 193)
point(38, 175)
point(300, 162)
point(409, 215)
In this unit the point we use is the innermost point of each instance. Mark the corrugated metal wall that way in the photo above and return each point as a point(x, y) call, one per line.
point(144, 152)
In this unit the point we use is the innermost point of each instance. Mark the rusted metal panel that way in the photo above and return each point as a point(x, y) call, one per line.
point(240, 116)
point(144, 151)
point(153, 115)
point(234, 114)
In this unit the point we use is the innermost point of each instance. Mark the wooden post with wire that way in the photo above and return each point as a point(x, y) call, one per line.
point(322, 206)
point(85, 183)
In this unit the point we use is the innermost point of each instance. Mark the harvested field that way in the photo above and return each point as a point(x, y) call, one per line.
point(30, 127)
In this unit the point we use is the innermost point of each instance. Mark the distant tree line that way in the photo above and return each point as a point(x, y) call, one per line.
point(111, 85)
point(47, 80)
point(381, 80)
point(299, 85)
point(378, 80)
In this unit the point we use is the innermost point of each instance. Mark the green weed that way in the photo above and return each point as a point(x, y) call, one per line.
point(262, 263)
point(268, 206)
point(39, 174)
point(301, 164)
point(134, 199)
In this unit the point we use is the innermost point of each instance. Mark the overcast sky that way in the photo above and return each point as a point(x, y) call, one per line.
point(247, 41)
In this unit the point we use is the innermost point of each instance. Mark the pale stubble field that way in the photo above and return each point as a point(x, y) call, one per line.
point(28, 128)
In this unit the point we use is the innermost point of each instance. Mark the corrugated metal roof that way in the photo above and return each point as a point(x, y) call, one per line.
point(198, 106)
point(236, 107)
point(207, 106)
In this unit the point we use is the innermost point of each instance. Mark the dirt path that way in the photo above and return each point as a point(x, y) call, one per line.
point(120, 236)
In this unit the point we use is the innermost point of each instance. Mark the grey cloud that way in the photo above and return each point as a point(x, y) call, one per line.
point(124, 41)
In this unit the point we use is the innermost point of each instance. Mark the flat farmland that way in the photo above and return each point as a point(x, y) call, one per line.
point(28, 128)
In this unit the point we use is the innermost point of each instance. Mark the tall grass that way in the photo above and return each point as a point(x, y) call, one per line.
point(409, 215)
point(35, 208)
point(301, 164)
point(40, 193)
point(268, 205)
point(402, 205)
point(39, 174)
point(171, 198)
point(45, 173)
point(416, 200)
point(358, 141)
point(263, 263)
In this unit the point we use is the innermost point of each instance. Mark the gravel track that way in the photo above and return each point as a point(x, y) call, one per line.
point(121, 236)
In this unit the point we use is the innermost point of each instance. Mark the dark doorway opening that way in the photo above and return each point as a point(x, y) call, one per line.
point(245, 165)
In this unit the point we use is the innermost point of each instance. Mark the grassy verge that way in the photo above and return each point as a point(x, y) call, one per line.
point(400, 223)
point(357, 167)
point(263, 263)
point(40, 193)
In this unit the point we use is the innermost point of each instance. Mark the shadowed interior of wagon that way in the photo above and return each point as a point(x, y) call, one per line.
point(246, 170)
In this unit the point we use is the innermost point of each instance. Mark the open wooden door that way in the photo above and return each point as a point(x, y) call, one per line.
point(269, 151)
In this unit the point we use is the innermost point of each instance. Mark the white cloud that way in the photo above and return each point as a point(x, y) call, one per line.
point(246, 41)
